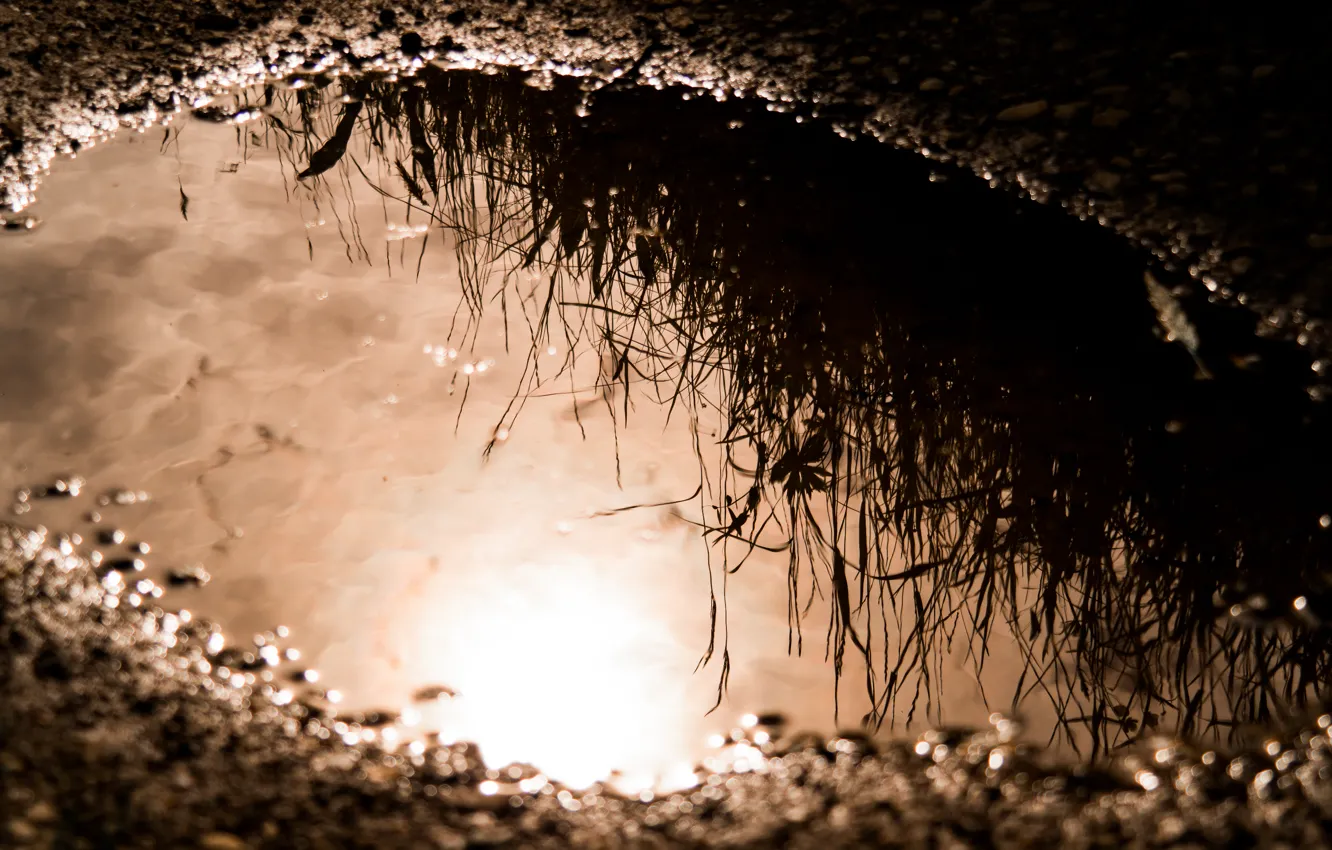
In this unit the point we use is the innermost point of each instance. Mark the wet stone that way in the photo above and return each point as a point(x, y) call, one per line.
point(125, 565)
point(1066, 111)
point(21, 831)
point(371, 719)
point(190, 576)
point(1023, 111)
point(1104, 181)
point(222, 841)
point(430, 693)
point(41, 812)
point(1110, 118)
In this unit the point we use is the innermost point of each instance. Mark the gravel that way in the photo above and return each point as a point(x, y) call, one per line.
point(122, 725)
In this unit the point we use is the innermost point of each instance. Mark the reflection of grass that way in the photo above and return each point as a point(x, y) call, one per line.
point(922, 412)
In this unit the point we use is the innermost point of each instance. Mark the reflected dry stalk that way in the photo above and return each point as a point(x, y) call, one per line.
point(917, 414)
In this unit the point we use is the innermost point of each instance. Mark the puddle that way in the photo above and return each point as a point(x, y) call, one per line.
point(545, 421)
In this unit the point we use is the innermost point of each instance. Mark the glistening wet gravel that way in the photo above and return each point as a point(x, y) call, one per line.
point(937, 387)
point(123, 726)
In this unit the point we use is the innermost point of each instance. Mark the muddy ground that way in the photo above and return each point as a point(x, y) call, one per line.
point(1198, 136)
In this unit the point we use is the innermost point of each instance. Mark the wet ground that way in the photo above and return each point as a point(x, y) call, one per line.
point(366, 413)
point(503, 406)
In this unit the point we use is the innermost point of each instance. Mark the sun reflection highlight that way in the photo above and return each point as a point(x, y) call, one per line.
point(558, 673)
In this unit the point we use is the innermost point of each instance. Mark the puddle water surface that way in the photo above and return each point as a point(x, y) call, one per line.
point(549, 423)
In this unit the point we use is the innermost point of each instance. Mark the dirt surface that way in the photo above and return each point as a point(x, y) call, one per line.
point(127, 724)
point(1197, 134)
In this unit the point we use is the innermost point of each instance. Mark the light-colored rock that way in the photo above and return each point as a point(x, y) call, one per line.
point(41, 812)
point(222, 841)
point(21, 832)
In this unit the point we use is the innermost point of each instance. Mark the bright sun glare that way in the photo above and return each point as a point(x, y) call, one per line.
point(557, 673)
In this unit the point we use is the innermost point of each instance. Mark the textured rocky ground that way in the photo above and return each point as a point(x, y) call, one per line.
point(127, 725)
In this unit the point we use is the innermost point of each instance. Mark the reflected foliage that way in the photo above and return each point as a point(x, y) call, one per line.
point(955, 412)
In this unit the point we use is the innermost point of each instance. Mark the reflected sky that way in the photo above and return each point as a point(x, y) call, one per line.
point(444, 458)
point(299, 422)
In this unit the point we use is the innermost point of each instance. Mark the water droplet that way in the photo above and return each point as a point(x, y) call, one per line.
point(1147, 779)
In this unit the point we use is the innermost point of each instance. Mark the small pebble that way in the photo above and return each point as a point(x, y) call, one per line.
point(21, 831)
point(191, 576)
point(430, 693)
point(1066, 111)
point(222, 841)
point(1104, 181)
point(1023, 111)
point(41, 812)
point(1109, 117)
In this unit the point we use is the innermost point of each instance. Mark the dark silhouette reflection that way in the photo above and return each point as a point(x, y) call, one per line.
point(957, 410)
